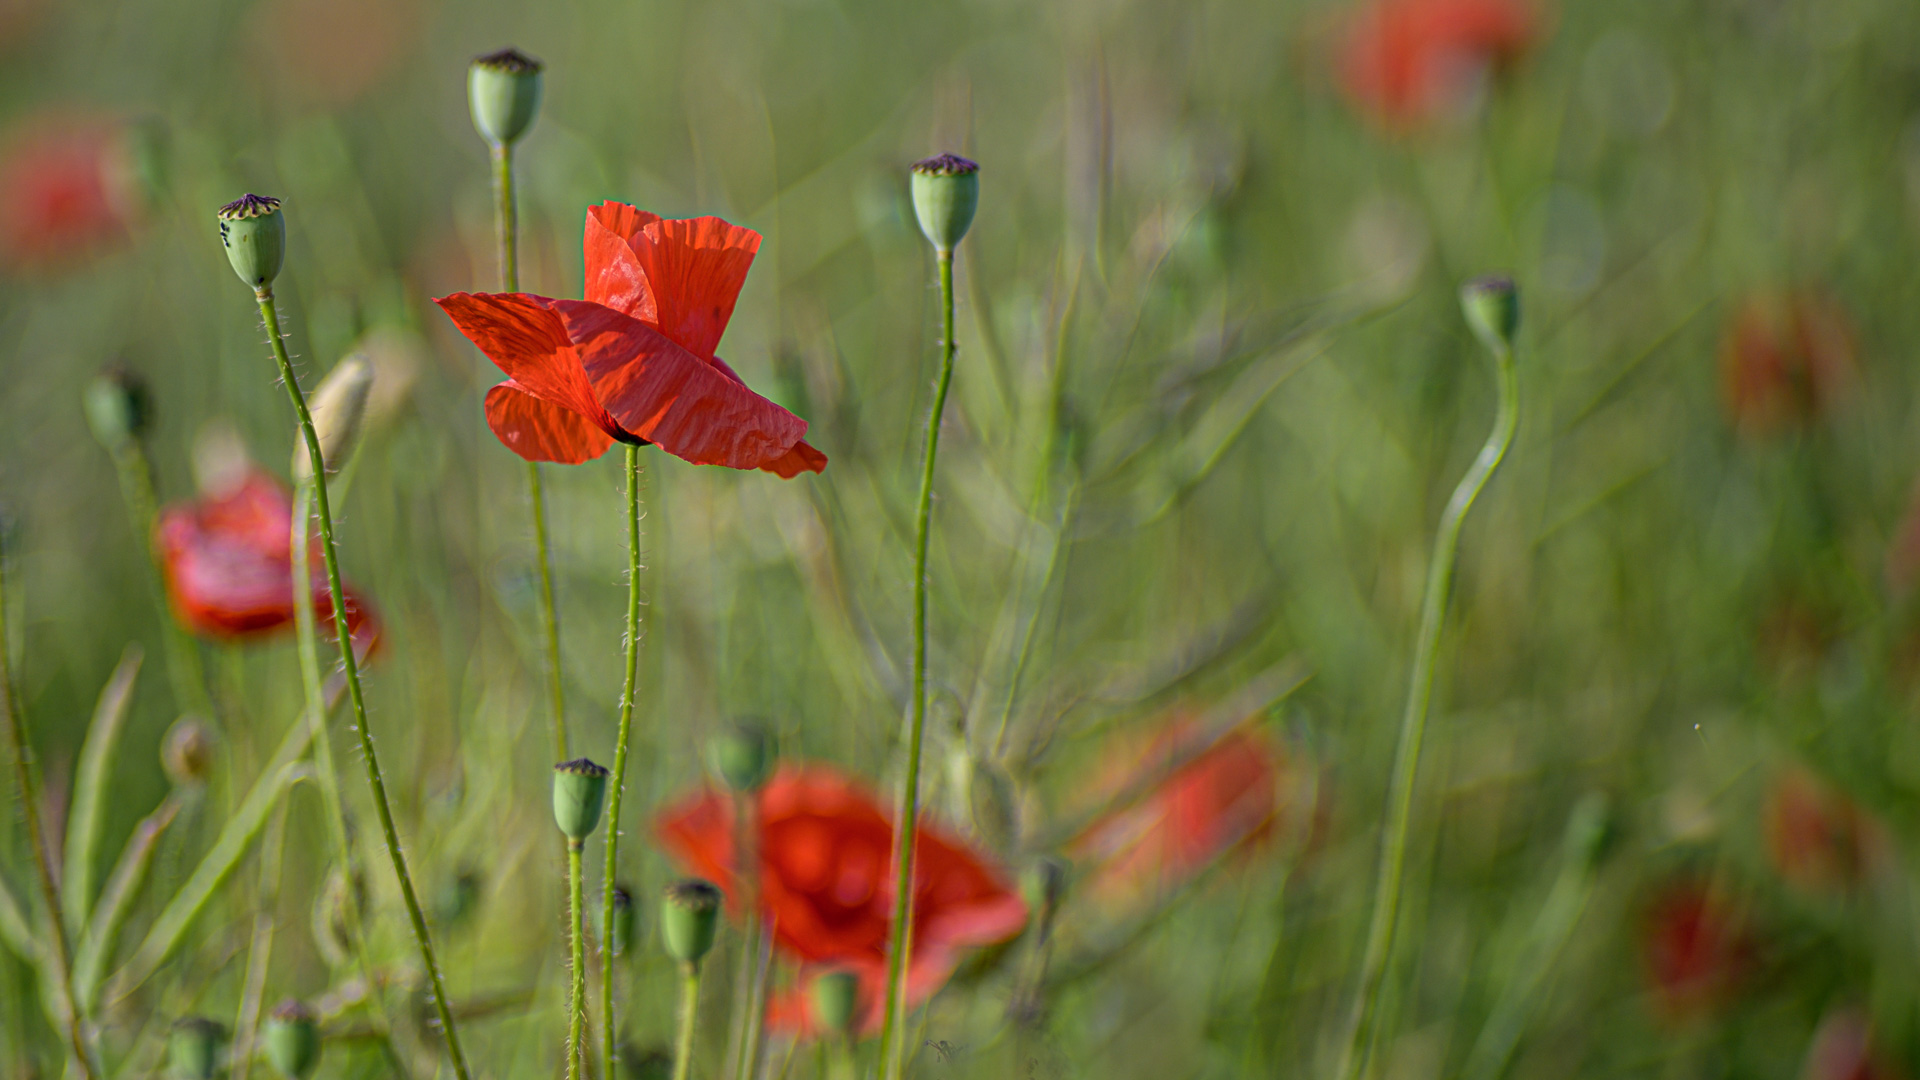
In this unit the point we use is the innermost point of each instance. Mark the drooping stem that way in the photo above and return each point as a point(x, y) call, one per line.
point(184, 669)
point(689, 1007)
point(608, 1032)
point(1413, 724)
point(351, 669)
point(56, 933)
point(891, 1031)
point(577, 999)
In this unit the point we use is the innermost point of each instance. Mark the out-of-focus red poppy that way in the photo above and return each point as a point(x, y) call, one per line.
point(1696, 949)
point(65, 189)
point(1198, 805)
point(1843, 1049)
point(826, 882)
point(1785, 361)
point(1817, 838)
point(228, 562)
point(634, 362)
point(1407, 61)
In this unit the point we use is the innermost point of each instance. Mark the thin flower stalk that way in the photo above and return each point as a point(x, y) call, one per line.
point(609, 1033)
point(577, 999)
point(689, 1010)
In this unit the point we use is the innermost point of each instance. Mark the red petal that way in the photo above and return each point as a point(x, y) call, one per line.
point(659, 391)
point(680, 276)
point(540, 430)
point(525, 338)
point(802, 458)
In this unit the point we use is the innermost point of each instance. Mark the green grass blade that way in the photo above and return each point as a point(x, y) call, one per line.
point(117, 898)
point(13, 927)
point(90, 788)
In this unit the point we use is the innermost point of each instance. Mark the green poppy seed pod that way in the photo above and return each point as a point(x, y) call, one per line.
point(195, 1047)
point(689, 916)
point(619, 937)
point(503, 90)
point(638, 1064)
point(293, 1040)
point(255, 236)
point(835, 997)
point(1492, 306)
point(339, 406)
point(742, 755)
point(946, 190)
point(579, 791)
point(186, 754)
point(118, 407)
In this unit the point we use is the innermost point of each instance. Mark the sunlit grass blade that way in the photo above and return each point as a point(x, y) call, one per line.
point(90, 790)
point(117, 897)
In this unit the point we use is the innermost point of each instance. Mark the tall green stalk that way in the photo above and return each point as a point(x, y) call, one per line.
point(577, 998)
point(891, 1029)
point(56, 933)
point(608, 1032)
point(264, 293)
point(1413, 724)
point(689, 1009)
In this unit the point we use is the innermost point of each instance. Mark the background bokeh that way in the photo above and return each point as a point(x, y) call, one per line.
point(1213, 389)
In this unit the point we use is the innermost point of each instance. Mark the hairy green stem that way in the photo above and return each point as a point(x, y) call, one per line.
point(310, 679)
point(1413, 724)
point(352, 670)
point(577, 992)
point(689, 1008)
point(609, 1033)
point(902, 930)
point(55, 931)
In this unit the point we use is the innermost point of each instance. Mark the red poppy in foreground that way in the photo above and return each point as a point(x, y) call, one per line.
point(228, 562)
point(1785, 362)
point(826, 848)
point(1409, 60)
point(1696, 949)
point(65, 189)
point(1817, 838)
point(634, 362)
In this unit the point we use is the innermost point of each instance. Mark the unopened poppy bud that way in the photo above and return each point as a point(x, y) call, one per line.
point(293, 1040)
point(637, 1064)
point(946, 190)
point(338, 406)
point(742, 755)
point(835, 996)
point(619, 936)
point(688, 919)
point(579, 791)
point(503, 90)
point(118, 407)
point(340, 903)
point(187, 753)
point(1492, 306)
point(255, 236)
point(1042, 884)
point(195, 1047)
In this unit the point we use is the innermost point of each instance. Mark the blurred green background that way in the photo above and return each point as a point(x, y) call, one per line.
point(1213, 389)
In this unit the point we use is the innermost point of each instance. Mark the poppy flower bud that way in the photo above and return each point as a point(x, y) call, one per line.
point(341, 901)
point(946, 189)
point(579, 791)
point(619, 937)
point(187, 753)
point(503, 91)
point(293, 1040)
point(338, 405)
point(688, 918)
point(637, 1064)
point(1492, 306)
point(1042, 885)
point(255, 236)
point(835, 996)
point(742, 755)
point(118, 407)
point(195, 1047)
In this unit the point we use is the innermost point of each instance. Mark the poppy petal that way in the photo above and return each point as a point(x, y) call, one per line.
point(657, 390)
point(802, 458)
point(689, 271)
point(526, 339)
point(539, 430)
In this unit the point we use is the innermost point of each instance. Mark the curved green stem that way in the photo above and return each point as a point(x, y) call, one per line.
point(56, 932)
point(577, 998)
point(609, 1033)
point(1413, 724)
point(902, 943)
point(352, 670)
point(689, 1008)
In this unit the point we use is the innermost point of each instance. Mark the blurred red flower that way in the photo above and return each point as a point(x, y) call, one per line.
point(1817, 838)
point(826, 848)
point(634, 361)
point(228, 562)
point(1843, 1049)
point(64, 188)
point(1785, 362)
point(1409, 60)
point(1696, 949)
point(1195, 803)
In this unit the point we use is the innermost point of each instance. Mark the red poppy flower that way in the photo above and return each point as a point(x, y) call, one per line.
point(1696, 949)
point(1784, 362)
point(1407, 60)
point(634, 361)
point(228, 562)
point(1225, 797)
point(63, 189)
point(826, 848)
point(1818, 839)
